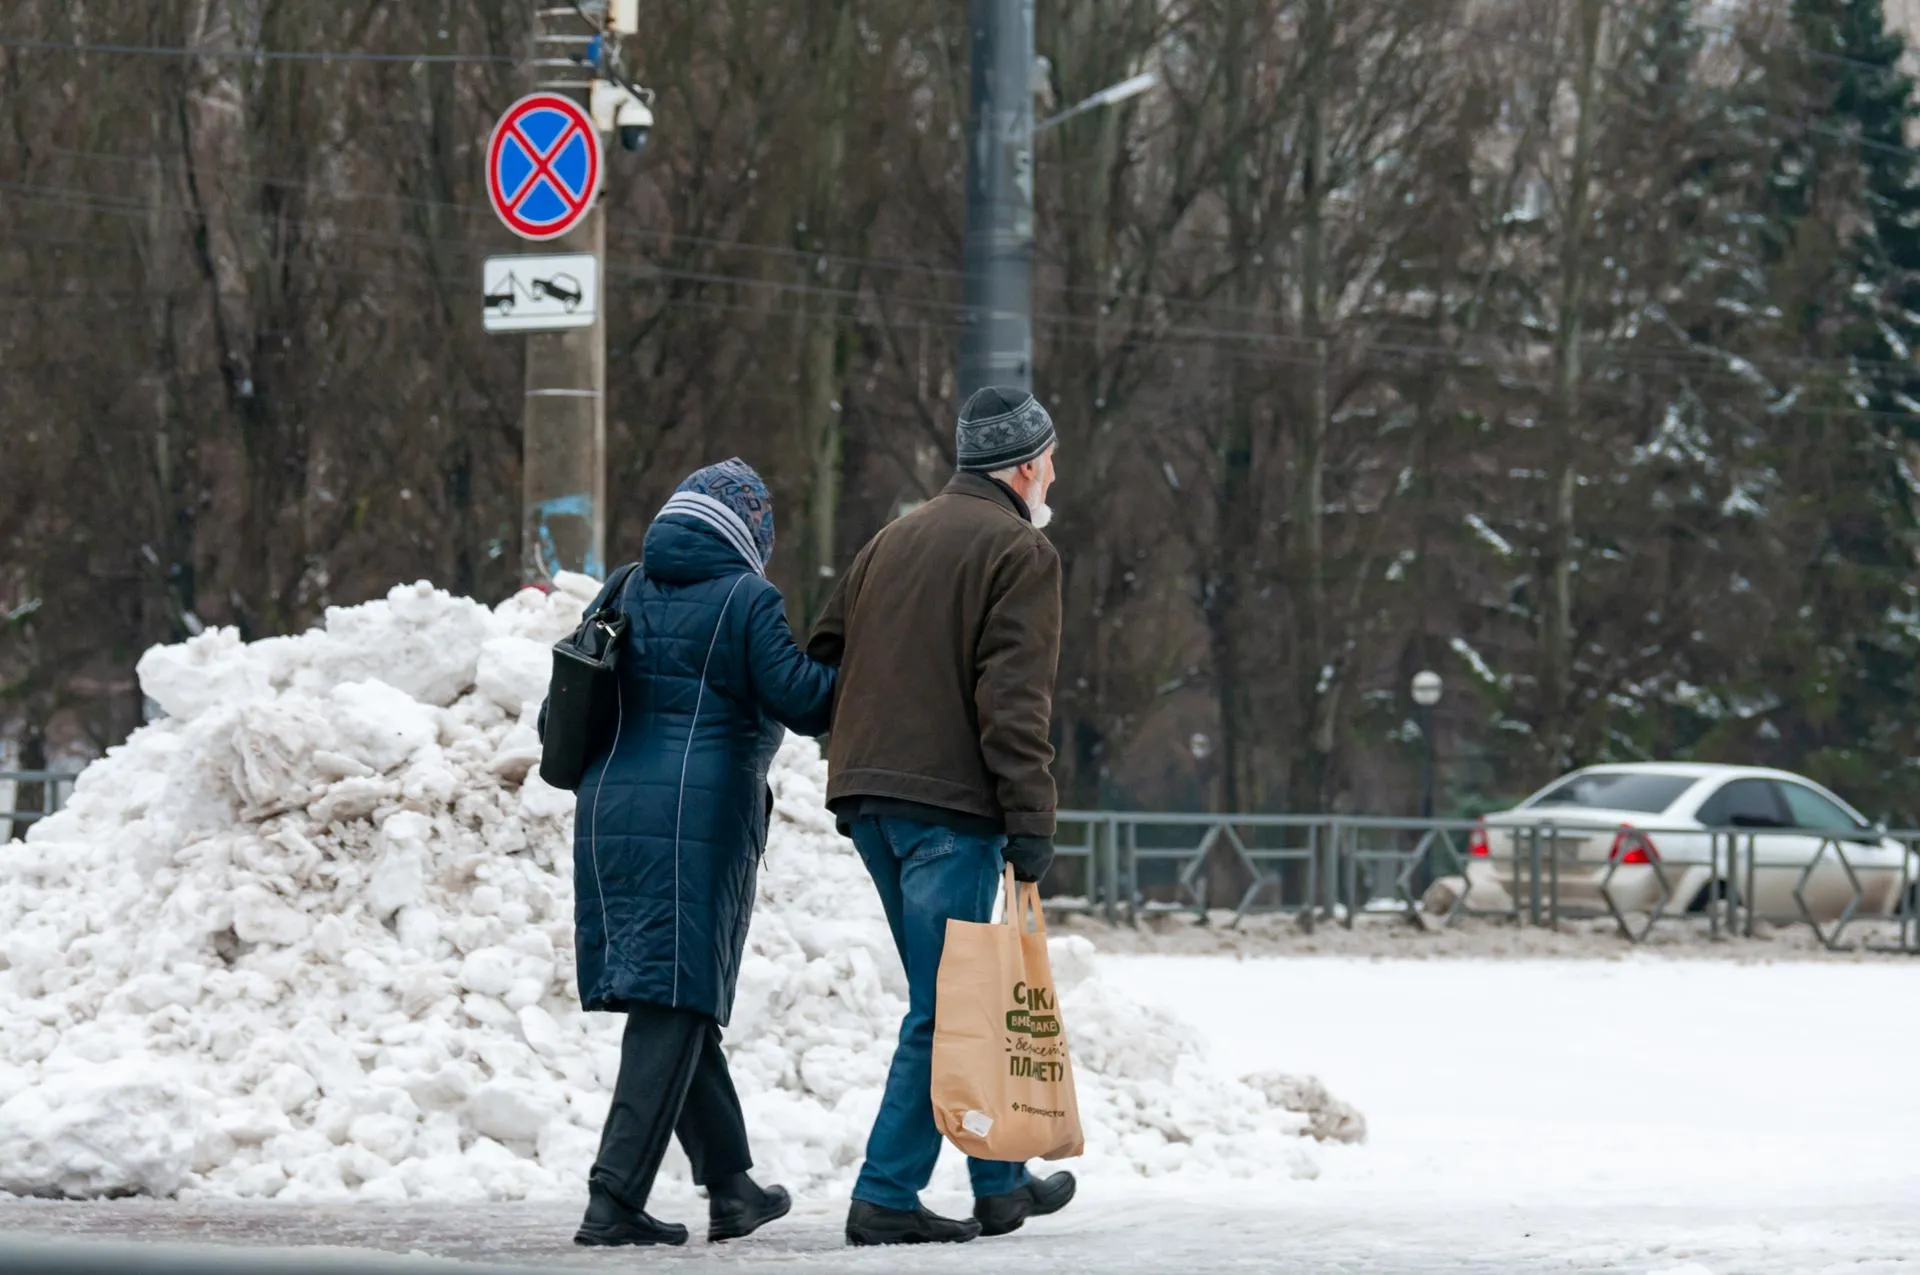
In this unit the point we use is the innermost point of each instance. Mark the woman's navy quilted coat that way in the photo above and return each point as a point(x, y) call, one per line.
point(672, 822)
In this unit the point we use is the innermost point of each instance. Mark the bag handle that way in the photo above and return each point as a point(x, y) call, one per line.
point(1018, 899)
point(603, 616)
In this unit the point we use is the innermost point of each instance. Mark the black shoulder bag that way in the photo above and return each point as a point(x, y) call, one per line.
point(581, 695)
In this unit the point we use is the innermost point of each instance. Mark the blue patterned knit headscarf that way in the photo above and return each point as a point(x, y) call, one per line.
point(731, 498)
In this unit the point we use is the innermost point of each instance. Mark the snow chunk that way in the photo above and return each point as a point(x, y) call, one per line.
point(214, 668)
point(584, 588)
point(1329, 1119)
point(380, 725)
point(509, 1112)
point(124, 1128)
point(422, 640)
point(514, 672)
point(258, 917)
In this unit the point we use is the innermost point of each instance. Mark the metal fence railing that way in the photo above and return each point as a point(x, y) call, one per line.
point(1341, 868)
point(28, 796)
point(1338, 869)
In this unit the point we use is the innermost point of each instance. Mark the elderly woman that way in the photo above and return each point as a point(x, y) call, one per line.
point(670, 830)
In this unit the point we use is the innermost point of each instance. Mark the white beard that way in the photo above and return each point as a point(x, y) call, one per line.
point(1042, 516)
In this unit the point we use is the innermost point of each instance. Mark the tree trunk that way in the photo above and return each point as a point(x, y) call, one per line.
point(822, 411)
point(1229, 559)
point(1318, 696)
point(1557, 720)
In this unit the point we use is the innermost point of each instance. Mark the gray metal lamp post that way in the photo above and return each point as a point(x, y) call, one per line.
point(1426, 693)
point(997, 256)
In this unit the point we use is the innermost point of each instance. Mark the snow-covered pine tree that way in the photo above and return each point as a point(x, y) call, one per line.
point(1842, 223)
point(1663, 632)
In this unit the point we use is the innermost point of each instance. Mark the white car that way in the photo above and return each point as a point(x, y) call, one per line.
point(1655, 822)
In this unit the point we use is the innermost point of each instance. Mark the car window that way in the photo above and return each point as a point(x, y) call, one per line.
point(1749, 799)
point(1604, 790)
point(1810, 810)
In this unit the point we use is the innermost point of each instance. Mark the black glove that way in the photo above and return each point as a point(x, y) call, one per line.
point(1030, 857)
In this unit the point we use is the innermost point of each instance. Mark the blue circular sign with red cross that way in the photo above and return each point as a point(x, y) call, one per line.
point(543, 166)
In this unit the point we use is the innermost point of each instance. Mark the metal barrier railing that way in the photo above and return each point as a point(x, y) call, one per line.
point(49, 788)
point(1338, 868)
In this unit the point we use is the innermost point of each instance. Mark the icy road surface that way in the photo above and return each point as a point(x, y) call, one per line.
point(1643, 1115)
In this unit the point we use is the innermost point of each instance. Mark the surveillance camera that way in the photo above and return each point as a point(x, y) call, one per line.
point(618, 109)
point(635, 121)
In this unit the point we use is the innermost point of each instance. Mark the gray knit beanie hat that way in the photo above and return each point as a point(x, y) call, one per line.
point(1001, 428)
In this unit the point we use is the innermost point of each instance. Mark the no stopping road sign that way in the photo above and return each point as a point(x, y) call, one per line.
point(543, 166)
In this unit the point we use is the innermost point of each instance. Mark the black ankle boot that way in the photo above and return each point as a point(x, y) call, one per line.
point(737, 1206)
point(611, 1224)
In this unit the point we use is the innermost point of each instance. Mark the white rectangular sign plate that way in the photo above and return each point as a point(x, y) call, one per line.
point(542, 293)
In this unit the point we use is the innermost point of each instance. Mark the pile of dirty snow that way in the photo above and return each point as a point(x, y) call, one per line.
point(310, 936)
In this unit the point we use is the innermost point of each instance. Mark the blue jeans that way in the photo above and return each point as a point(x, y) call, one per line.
point(925, 875)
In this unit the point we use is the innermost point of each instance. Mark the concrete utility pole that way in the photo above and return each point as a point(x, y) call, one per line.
point(997, 347)
point(563, 420)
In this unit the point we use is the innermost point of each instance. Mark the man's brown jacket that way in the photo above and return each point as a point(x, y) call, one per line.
point(947, 632)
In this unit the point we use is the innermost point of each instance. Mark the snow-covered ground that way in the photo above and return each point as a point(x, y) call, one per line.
point(1635, 1083)
point(1644, 1115)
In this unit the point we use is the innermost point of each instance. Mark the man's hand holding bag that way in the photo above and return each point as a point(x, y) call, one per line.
point(1002, 1075)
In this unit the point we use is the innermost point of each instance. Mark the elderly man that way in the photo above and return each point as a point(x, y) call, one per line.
point(947, 632)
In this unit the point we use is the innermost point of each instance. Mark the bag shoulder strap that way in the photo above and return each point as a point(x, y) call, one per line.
point(619, 580)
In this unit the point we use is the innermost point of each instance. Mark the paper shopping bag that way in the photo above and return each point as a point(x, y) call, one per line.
point(1002, 1075)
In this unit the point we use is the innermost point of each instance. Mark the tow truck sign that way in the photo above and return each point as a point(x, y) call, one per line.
point(542, 293)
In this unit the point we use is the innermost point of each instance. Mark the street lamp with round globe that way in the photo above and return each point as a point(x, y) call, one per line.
point(1426, 693)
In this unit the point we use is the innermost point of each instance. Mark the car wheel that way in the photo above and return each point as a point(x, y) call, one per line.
point(1711, 893)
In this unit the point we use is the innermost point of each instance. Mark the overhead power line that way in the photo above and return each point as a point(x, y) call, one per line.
point(1240, 347)
point(1197, 327)
point(255, 55)
point(1065, 330)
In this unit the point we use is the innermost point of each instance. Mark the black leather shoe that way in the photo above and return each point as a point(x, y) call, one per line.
point(1004, 1214)
point(869, 1225)
point(737, 1206)
point(611, 1224)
